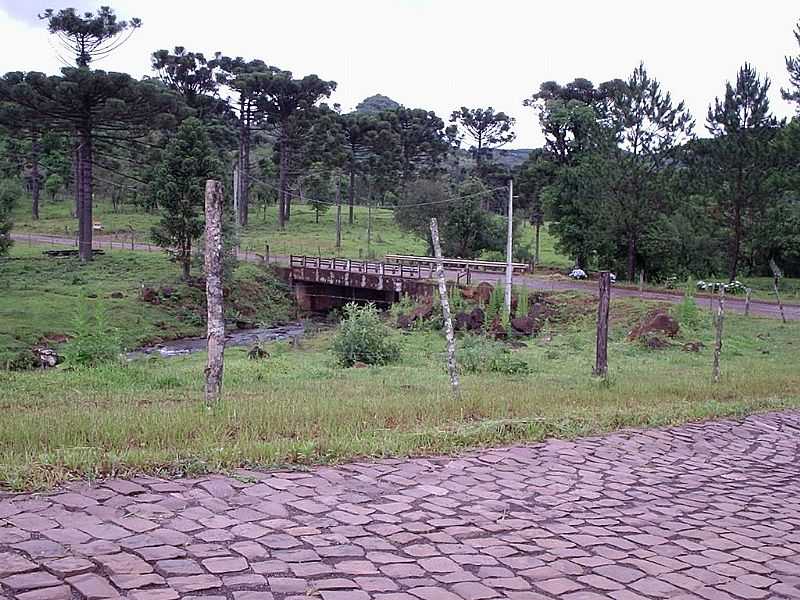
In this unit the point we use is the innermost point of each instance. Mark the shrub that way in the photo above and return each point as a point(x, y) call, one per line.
point(479, 354)
point(362, 337)
point(94, 341)
point(687, 312)
point(523, 302)
point(495, 305)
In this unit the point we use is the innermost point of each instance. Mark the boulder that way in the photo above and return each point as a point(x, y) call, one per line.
point(360, 365)
point(150, 296)
point(656, 322)
point(693, 346)
point(654, 342)
point(421, 312)
point(46, 358)
point(117, 295)
point(483, 292)
point(524, 325)
point(404, 322)
point(497, 330)
point(461, 322)
point(257, 353)
point(476, 319)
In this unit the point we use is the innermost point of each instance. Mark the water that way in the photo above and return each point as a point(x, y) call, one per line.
point(233, 339)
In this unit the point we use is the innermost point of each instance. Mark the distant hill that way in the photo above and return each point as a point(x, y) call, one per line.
point(511, 158)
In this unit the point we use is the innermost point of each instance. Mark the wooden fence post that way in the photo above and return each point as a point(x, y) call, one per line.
point(718, 323)
point(603, 305)
point(448, 321)
point(748, 292)
point(213, 272)
point(778, 297)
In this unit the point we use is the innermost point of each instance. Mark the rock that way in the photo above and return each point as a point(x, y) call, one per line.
point(655, 343)
point(656, 322)
point(117, 295)
point(242, 324)
point(404, 322)
point(476, 319)
point(360, 365)
point(91, 295)
point(483, 292)
point(167, 292)
point(497, 330)
point(46, 357)
point(150, 296)
point(257, 353)
point(422, 312)
point(524, 325)
point(693, 346)
point(461, 321)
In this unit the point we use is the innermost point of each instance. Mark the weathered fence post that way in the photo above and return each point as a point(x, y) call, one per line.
point(603, 305)
point(452, 369)
point(718, 323)
point(747, 294)
point(778, 297)
point(213, 272)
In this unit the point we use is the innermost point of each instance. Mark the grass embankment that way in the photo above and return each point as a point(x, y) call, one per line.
point(303, 235)
point(40, 298)
point(298, 407)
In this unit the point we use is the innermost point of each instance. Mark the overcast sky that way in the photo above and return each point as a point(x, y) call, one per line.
point(442, 54)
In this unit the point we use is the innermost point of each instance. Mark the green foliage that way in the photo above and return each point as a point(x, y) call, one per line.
point(456, 299)
point(362, 337)
point(94, 341)
point(523, 301)
point(479, 354)
point(688, 313)
point(53, 184)
point(179, 190)
point(9, 192)
point(494, 307)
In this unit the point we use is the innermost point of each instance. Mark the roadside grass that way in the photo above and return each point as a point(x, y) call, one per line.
point(298, 408)
point(40, 297)
point(303, 235)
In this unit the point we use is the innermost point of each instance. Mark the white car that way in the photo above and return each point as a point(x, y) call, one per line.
point(577, 274)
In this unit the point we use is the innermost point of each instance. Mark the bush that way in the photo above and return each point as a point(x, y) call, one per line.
point(479, 354)
point(687, 312)
point(362, 337)
point(494, 307)
point(94, 341)
point(523, 302)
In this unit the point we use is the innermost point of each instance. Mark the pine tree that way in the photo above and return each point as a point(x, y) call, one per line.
point(179, 187)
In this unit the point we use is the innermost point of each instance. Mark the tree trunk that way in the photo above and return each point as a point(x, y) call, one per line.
point(282, 168)
point(85, 225)
point(536, 246)
point(35, 177)
point(452, 368)
point(213, 272)
point(631, 258)
point(601, 356)
point(186, 261)
point(76, 182)
point(735, 244)
point(351, 194)
point(338, 217)
point(244, 184)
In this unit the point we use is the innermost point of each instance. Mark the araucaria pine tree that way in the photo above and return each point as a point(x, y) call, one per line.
point(178, 190)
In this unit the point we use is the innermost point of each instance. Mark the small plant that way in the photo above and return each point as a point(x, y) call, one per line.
point(479, 354)
point(495, 305)
point(403, 307)
point(363, 338)
point(523, 302)
point(94, 341)
point(456, 298)
point(687, 312)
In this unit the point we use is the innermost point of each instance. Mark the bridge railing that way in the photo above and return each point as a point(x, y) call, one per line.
point(456, 264)
point(347, 265)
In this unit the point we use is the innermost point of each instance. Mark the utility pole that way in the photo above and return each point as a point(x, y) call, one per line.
point(509, 248)
point(338, 216)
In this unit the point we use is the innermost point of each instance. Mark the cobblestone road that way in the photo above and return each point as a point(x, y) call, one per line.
point(701, 511)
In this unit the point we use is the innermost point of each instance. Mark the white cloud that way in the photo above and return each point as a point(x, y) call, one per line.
point(440, 54)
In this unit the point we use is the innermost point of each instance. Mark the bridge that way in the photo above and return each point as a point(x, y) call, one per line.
point(324, 283)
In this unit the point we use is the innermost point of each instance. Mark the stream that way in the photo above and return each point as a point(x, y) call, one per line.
point(233, 339)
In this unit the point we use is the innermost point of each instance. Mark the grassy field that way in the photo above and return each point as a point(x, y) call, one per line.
point(299, 408)
point(40, 297)
point(303, 235)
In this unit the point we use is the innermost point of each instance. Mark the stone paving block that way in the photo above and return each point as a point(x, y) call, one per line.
point(93, 587)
